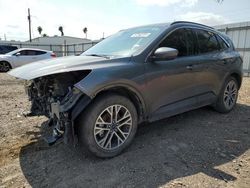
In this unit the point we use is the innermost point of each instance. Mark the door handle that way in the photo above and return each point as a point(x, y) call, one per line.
point(189, 67)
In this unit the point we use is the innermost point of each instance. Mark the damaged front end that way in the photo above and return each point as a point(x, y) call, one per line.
point(56, 97)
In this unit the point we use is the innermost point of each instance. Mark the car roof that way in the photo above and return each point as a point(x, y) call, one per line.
point(34, 49)
point(177, 23)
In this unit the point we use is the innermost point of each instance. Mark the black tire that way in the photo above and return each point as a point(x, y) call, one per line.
point(228, 97)
point(4, 66)
point(89, 123)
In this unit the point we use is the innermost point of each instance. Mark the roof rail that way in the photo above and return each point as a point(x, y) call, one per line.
point(176, 22)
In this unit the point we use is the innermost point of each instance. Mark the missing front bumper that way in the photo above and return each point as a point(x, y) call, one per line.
point(63, 115)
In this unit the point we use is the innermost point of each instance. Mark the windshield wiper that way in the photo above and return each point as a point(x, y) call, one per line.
point(99, 55)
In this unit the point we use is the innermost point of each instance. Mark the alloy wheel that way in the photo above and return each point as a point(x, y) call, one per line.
point(113, 127)
point(230, 94)
point(4, 67)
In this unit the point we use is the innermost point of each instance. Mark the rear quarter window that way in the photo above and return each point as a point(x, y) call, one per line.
point(222, 43)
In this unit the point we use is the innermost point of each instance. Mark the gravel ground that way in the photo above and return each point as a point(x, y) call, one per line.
point(201, 148)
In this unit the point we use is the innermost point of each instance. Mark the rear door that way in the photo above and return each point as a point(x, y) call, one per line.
point(171, 83)
point(40, 55)
point(212, 66)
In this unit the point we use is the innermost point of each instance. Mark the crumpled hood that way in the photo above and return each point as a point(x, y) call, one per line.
point(62, 64)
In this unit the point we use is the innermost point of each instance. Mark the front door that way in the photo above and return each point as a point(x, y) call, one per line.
point(170, 83)
point(24, 57)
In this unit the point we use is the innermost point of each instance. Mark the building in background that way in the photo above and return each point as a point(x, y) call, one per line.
point(59, 40)
point(240, 35)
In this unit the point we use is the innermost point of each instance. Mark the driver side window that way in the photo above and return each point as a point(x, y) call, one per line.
point(27, 52)
point(22, 52)
point(182, 40)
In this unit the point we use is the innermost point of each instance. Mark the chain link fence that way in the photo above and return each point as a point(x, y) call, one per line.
point(59, 50)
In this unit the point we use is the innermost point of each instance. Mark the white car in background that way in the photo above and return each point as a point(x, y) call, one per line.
point(23, 56)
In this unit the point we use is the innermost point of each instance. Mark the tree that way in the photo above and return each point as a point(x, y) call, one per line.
point(44, 35)
point(85, 31)
point(39, 29)
point(61, 30)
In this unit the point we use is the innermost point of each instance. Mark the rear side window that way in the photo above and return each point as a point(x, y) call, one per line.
point(182, 40)
point(23, 52)
point(31, 52)
point(207, 41)
point(39, 52)
point(191, 45)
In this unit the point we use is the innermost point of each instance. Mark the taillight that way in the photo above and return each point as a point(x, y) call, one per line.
point(53, 55)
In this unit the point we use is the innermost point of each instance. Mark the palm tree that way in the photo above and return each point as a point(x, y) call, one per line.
point(60, 28)
point(39, 29)
point(85, 31)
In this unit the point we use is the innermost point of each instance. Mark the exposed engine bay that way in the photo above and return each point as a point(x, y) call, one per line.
point(55, 97)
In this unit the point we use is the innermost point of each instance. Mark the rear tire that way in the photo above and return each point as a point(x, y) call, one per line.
point(108, 125)
point(228, 96)
point(4, 66)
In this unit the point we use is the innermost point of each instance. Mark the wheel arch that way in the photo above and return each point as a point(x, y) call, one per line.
point(7, 62)
point(219, 104)
point(238, 77)
point(127, 92)
point(131, 94)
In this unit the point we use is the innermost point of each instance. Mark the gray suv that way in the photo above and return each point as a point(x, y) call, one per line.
point(141, 74)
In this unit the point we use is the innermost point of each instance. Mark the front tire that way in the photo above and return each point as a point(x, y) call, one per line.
point(108, 126)
point(4, 66)
point(228, 96)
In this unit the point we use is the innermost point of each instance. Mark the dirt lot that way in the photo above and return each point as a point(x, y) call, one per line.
point(201, 148)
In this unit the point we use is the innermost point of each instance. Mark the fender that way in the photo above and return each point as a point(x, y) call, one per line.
point(101, 80)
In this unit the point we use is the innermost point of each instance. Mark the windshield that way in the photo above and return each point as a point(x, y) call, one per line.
point(13, 52)
point(126, 42)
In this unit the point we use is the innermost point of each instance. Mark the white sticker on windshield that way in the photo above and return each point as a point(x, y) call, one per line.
point(140, 35)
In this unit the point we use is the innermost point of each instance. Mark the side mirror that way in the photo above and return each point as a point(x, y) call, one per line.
point(165, 53)
point(18, 54)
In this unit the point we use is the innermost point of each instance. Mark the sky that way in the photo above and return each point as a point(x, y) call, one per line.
point(110, 16)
